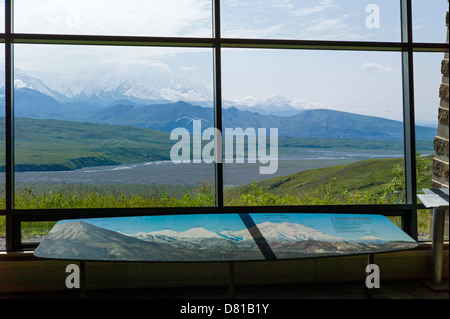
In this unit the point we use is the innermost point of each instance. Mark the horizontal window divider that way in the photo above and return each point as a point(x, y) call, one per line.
point(312, 44)
point(332, 45)
point(229, 209)
point(108, 40)
point(30, 215)
point(427, 47)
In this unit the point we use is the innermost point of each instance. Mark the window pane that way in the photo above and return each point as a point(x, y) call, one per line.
point(429, 20)
point(34, 232)
point(351, 20)
point(115, 17)
point(340, 127)
point(93, 126)
point(2, 16)
point(431, 109)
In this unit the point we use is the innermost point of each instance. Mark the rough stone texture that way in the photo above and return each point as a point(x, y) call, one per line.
point(435, 184)
point(443, 91)
point(441, 141)
point(443, 116)
point(444, 67)
point(440, 168)
point(441, 146)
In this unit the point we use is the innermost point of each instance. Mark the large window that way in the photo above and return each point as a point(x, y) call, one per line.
point(214, 106)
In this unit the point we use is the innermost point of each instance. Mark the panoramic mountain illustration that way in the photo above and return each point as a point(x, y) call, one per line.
point(81, 240)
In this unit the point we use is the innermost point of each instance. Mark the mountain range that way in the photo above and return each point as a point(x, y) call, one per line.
point(321, 123)
point(80, 240)
point(271, 231)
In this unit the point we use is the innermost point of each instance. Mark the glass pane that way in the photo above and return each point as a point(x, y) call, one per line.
point(429, 20)
point(350, 20)
point(339, 120)
point(34, 232)
point(93, 126)
point(431, 109)
point(2, 16)
point(115, 17)
point(396, 220)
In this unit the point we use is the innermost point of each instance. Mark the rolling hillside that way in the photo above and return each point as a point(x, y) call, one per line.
point(42, 145)
point(367, 175)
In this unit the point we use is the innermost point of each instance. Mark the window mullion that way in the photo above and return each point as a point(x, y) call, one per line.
point(408, 115)
point(12, 225)
point(217, 78)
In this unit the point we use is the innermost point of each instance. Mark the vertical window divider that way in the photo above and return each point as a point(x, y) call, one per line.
point(12, 225)
point(408, 115)
point(217, 79)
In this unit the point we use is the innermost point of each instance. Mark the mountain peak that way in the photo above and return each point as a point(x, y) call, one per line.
point(199, 232)
point(292, 231)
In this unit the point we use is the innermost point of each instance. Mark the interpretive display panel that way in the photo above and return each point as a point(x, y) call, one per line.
point(221, 237)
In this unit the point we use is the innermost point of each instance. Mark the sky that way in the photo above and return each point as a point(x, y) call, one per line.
point(359, 82)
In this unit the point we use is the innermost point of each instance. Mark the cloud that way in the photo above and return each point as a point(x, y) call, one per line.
point(115, 17)
point(187, 68)
point(323, 6)
point(269, 31)
point(371, 66)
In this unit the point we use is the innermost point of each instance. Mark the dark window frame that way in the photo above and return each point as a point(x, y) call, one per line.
point(407, 211)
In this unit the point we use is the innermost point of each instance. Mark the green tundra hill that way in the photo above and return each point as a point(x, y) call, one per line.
point(54, 145)
point(373, 176)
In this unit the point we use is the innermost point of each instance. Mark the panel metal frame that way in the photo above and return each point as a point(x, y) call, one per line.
point(407, 211)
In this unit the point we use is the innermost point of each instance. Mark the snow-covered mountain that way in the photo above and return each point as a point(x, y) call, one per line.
point(272, 231)
point(292, 232)
point(279, 232)
point(152, 83)
point(23, 80)
point(371, 240)
point(272, 105)
point(193, 233)
point(155, 83)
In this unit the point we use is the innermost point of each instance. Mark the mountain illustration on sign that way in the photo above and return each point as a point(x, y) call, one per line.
point(81, 240)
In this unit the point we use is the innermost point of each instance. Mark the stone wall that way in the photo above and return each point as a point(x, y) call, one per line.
point(441, 141)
